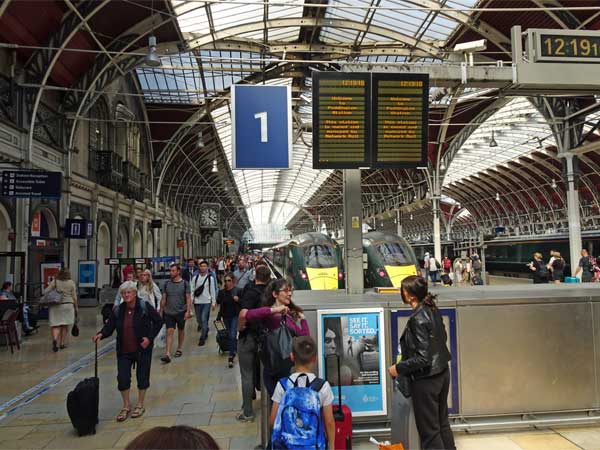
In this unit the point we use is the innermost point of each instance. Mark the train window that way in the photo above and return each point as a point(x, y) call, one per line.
point(394, 254)
point(317, 256)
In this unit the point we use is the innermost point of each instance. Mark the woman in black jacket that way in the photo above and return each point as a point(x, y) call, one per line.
point(137, 324)
point(228, 300)
point(424, 364)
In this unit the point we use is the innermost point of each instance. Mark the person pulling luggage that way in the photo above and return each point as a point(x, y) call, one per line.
point(423, 369)
point(228, 300)
point(137, 323)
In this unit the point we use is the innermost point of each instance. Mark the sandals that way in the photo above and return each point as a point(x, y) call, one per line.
point(138, 411)
point(178, 354)
point(123, 415)
point(166, 359)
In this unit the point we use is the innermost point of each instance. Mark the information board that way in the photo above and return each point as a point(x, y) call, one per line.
point(79, 229)
point(400, 118)
point(341, 111)
point(564, 45)
point(363, 120)
point(30, 184)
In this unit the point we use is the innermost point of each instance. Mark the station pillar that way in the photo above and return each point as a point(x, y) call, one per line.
point(575, 243)
point(437, 234)
point(353, 259)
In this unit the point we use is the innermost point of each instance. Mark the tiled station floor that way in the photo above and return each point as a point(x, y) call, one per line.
point(197, 390)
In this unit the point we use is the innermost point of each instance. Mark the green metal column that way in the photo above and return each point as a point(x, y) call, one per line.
point(353, 231)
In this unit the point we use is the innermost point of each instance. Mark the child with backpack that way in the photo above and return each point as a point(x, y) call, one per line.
point(302, 412)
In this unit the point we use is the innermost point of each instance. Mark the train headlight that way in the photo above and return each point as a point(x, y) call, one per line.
point(381, 273)
point(303, 275)
point(340, 275)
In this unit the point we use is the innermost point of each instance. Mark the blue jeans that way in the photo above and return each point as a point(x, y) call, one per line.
point(202, 311)
point(231, 325)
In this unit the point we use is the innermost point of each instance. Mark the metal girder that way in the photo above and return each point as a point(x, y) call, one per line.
point(196, 40)
point(482, 28)
point(563, 17)
point(4, 7)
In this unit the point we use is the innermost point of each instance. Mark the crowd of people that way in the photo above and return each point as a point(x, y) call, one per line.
point(463, 270)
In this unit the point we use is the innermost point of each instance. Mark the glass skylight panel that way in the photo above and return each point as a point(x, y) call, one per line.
point(517, 127)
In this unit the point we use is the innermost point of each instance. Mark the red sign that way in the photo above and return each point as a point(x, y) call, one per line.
point(36, 224)
point(49, 272)
point(180, 243)
point(119, 248)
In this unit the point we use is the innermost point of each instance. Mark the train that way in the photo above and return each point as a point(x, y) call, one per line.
point(390, 259)
point(312, 261)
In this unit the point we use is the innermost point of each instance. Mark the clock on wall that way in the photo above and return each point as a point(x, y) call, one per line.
point(210, 215)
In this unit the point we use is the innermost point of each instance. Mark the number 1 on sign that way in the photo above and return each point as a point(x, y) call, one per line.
point(262, 116)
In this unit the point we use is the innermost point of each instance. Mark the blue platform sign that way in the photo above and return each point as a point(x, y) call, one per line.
point(262, 127)
point(355, 337)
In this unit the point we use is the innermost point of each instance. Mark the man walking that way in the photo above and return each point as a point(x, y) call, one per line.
point(205, 297)
point(176, 308)
point(248, 341)
point(242, 275)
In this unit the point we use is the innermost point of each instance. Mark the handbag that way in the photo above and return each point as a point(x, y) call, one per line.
point(75, 329)
point(275, 348)
point(52, 297)
point(200, 289)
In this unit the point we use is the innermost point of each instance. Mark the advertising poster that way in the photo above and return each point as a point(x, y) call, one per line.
point(357, 338)
point(399, 319)
point(87, 274)
point(36, 224)
point(49, 272)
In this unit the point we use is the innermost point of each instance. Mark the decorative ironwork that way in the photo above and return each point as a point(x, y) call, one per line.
point(49, 126)
point(10, 96)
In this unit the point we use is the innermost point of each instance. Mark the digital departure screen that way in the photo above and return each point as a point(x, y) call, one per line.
point(400, 120)
point(564, 45)
point(341, 118)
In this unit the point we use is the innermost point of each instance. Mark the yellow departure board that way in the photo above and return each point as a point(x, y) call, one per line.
point(400, 120)
point(341, 113)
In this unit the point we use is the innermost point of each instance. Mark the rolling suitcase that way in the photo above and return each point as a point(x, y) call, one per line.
point(342, 416)
point(572, 280)
point(222, 336)
point(404, 427)
point(446, 280)
point(477, 281)
point(83, 401)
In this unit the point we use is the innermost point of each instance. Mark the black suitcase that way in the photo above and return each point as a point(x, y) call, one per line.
point(477, 281)
point(83, 401)
point(446, 279)
point(222, 336)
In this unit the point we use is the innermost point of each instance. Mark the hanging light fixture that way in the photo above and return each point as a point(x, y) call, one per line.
point(200, 140)
point(493, 142)
point(411, 217)
point(215, 167)
point(152, 58)
point(553, 183)
point(497, 196)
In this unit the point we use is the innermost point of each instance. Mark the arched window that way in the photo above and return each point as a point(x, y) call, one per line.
point(99, 127)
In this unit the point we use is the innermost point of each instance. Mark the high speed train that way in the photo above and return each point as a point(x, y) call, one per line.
point(311, 260)
point(390, 259)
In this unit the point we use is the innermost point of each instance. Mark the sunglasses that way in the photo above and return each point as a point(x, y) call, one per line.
point(227, 280)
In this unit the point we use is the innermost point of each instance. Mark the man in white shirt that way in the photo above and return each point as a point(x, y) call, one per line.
point(434, 267)
point(204, 294)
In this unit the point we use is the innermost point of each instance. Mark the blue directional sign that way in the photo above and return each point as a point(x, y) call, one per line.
point(262, 127)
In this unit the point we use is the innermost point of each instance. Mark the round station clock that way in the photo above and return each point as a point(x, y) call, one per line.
point(209, 216)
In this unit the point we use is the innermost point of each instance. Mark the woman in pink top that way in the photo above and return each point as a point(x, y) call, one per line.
point(278, 306)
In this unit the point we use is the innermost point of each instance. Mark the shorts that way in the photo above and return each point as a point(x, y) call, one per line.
point(172, 321)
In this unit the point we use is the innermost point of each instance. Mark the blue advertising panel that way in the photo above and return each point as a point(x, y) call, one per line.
point(262, 127)
point(87, 274)
point(398, 322)
point(357, 338)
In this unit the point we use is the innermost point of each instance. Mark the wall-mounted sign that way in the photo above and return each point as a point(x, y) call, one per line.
point(363, 120)
point(228, 241)
point(30, 184)
point(398, 322)
point(261, 120)
point(79, 229)
point(180, 243)
point(357, 337)
point(564, 45)
point(48, 272)
point(36, 224)
point(87, 274)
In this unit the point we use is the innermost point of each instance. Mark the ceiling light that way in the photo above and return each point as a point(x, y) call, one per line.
point(152, 58)
point(442, 166)
point(497, 197)
point(215, 167)
point(553, 183)
point(373, 200)
point(200, 139)
point(411, 217)
point(493, 142)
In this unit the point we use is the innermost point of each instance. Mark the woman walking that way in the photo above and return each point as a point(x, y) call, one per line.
point(539, 268)
point(62, 316)
point(148, 290)
point(137, 324)
point(278, 309)
point(424, 365)
point(228, 299)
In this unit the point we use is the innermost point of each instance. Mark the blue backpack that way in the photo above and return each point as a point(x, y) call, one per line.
point(299, 424)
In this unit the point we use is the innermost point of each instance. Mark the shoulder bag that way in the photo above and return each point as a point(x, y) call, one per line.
point(52, 297)
point(275, 348)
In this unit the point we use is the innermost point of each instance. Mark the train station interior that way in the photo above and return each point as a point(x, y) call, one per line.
point(346, 144)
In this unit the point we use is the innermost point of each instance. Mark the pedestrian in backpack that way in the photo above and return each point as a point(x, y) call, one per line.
point(205, 298)
point(228, 300)
point(557, 267)
point(176, 308)
point(308, 398)
point(586, 267)
point(434, 268)
point(137, 323)
point(252, 298)
point(279, 308)
point(243, 275)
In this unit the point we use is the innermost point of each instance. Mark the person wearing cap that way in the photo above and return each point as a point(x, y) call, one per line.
point(205, 297)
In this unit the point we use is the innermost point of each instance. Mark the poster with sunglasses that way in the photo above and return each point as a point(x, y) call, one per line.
point(357, 338)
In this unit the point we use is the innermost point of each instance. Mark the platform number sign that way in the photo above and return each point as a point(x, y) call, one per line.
point(261, 127)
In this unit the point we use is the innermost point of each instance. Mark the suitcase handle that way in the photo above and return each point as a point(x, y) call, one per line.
point(96, 360)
